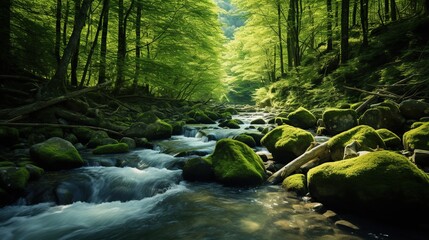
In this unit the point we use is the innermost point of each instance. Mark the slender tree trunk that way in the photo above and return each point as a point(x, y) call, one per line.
point(345, 8)
point(75, 57)
point(273, 71)
point(279, 25)
point(329, 25)
point(57, 85)
point(138, 45)
point(5, 7)
point(66, 18)
point(393, 10)
point(386, 10)
point(94, 44)
point(364, 21)
point(58, 32)
point(103, 47)
point(354, 13)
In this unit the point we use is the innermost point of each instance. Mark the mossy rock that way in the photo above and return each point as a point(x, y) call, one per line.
point(366, 136)
point(14, 178)
point(83, 134)
point(286, 142)
point(153, 131)
point(231, 123)
point(302, 118)
point(100, 138)
point(8, 136)
point(147, 117)
point(339, 120)
point(382, 183)
point(34, 171)
point(111, 148)
point(56, 154)
point(198, 169)
point(129, 141)
point(414, 109)
point(246, 139)
point(258, 121)
point(417, 138)
point(231, 111)
point(236, 164)
point(177, 127)
point(392, 141)
point(296, 183)
point(200, 117)
point(384, 115)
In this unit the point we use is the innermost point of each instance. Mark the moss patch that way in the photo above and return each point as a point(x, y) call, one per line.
point(417, 138)
point(287, 142)
point(111, 148)
point(392, 141)
point(236, 164)
point(366, 136)
point(296, 183)
point(302, 118)
point(375, 183)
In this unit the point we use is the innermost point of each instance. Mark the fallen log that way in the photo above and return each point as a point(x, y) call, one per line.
point(7, 124)
point(11, 114)
point(318, 151)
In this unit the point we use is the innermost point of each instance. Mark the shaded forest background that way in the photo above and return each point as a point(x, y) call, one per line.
point(270, 53)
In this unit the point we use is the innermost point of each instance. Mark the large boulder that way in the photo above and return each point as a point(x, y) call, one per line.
point(384, 115)
point(414, 109)
point(383, 183)
point(365, 136)
point(56, 154)
point(198, 169)
point(392, 141)
point(14, 179)
point(302, 118)
point(236, 164)
point(417, 138)
point(339, 120)
point(287, 142)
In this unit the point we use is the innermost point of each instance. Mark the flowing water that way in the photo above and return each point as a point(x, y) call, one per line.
point(141, 195)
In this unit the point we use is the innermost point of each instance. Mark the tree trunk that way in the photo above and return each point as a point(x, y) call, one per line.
point(103, 47)
point(354, 13)
point(317, 152)
point(393, 10)
point(75, 57)
point(329, 25)
point(279, 25)
point(5, 7)
point(345, 30)
point(94, 44)
point(138, 45)
point(364, 21)
point(386, 10)
point(66, 18)
point(58, 32)
point(57, 85)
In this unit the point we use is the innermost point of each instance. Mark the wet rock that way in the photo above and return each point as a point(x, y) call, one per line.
point(153, 131)
point(14, 179)
point(129, 141)
point(331, 215)
point(100, 138)
point(296, 183)
point(258, 121)
point(198, 169)
point(315, 206)
point(346, 225)
point(111, 148)
point(55, 154)
point(246, 139)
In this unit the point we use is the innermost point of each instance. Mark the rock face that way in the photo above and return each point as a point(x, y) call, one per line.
point(383, 183)
point(365, 136)
point(339, 120)
point(302, 118)
point(56, 154)
point(236, 164)
point(287, 142)
point(417, 138)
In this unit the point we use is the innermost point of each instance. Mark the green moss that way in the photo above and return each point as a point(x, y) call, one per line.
point(374, 183)
point(385, 115)
point(231, 123)
point(14, 178)
point(392, 141)
point(198, 169)
point(302, 118)
point(417, 138)
point(244, 138)
point(236, 164)
point(111, 148)
point(339, 120)
point(296, 183)
point(56, 153)
point(355, 106)
point(200, 117)
point(287, 142)
point(366, 136)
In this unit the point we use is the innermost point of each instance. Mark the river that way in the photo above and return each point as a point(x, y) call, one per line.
point(141, 195)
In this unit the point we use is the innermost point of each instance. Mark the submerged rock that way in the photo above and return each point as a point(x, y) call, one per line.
point(287, 142)
point(56, 154)
point(383, 183)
